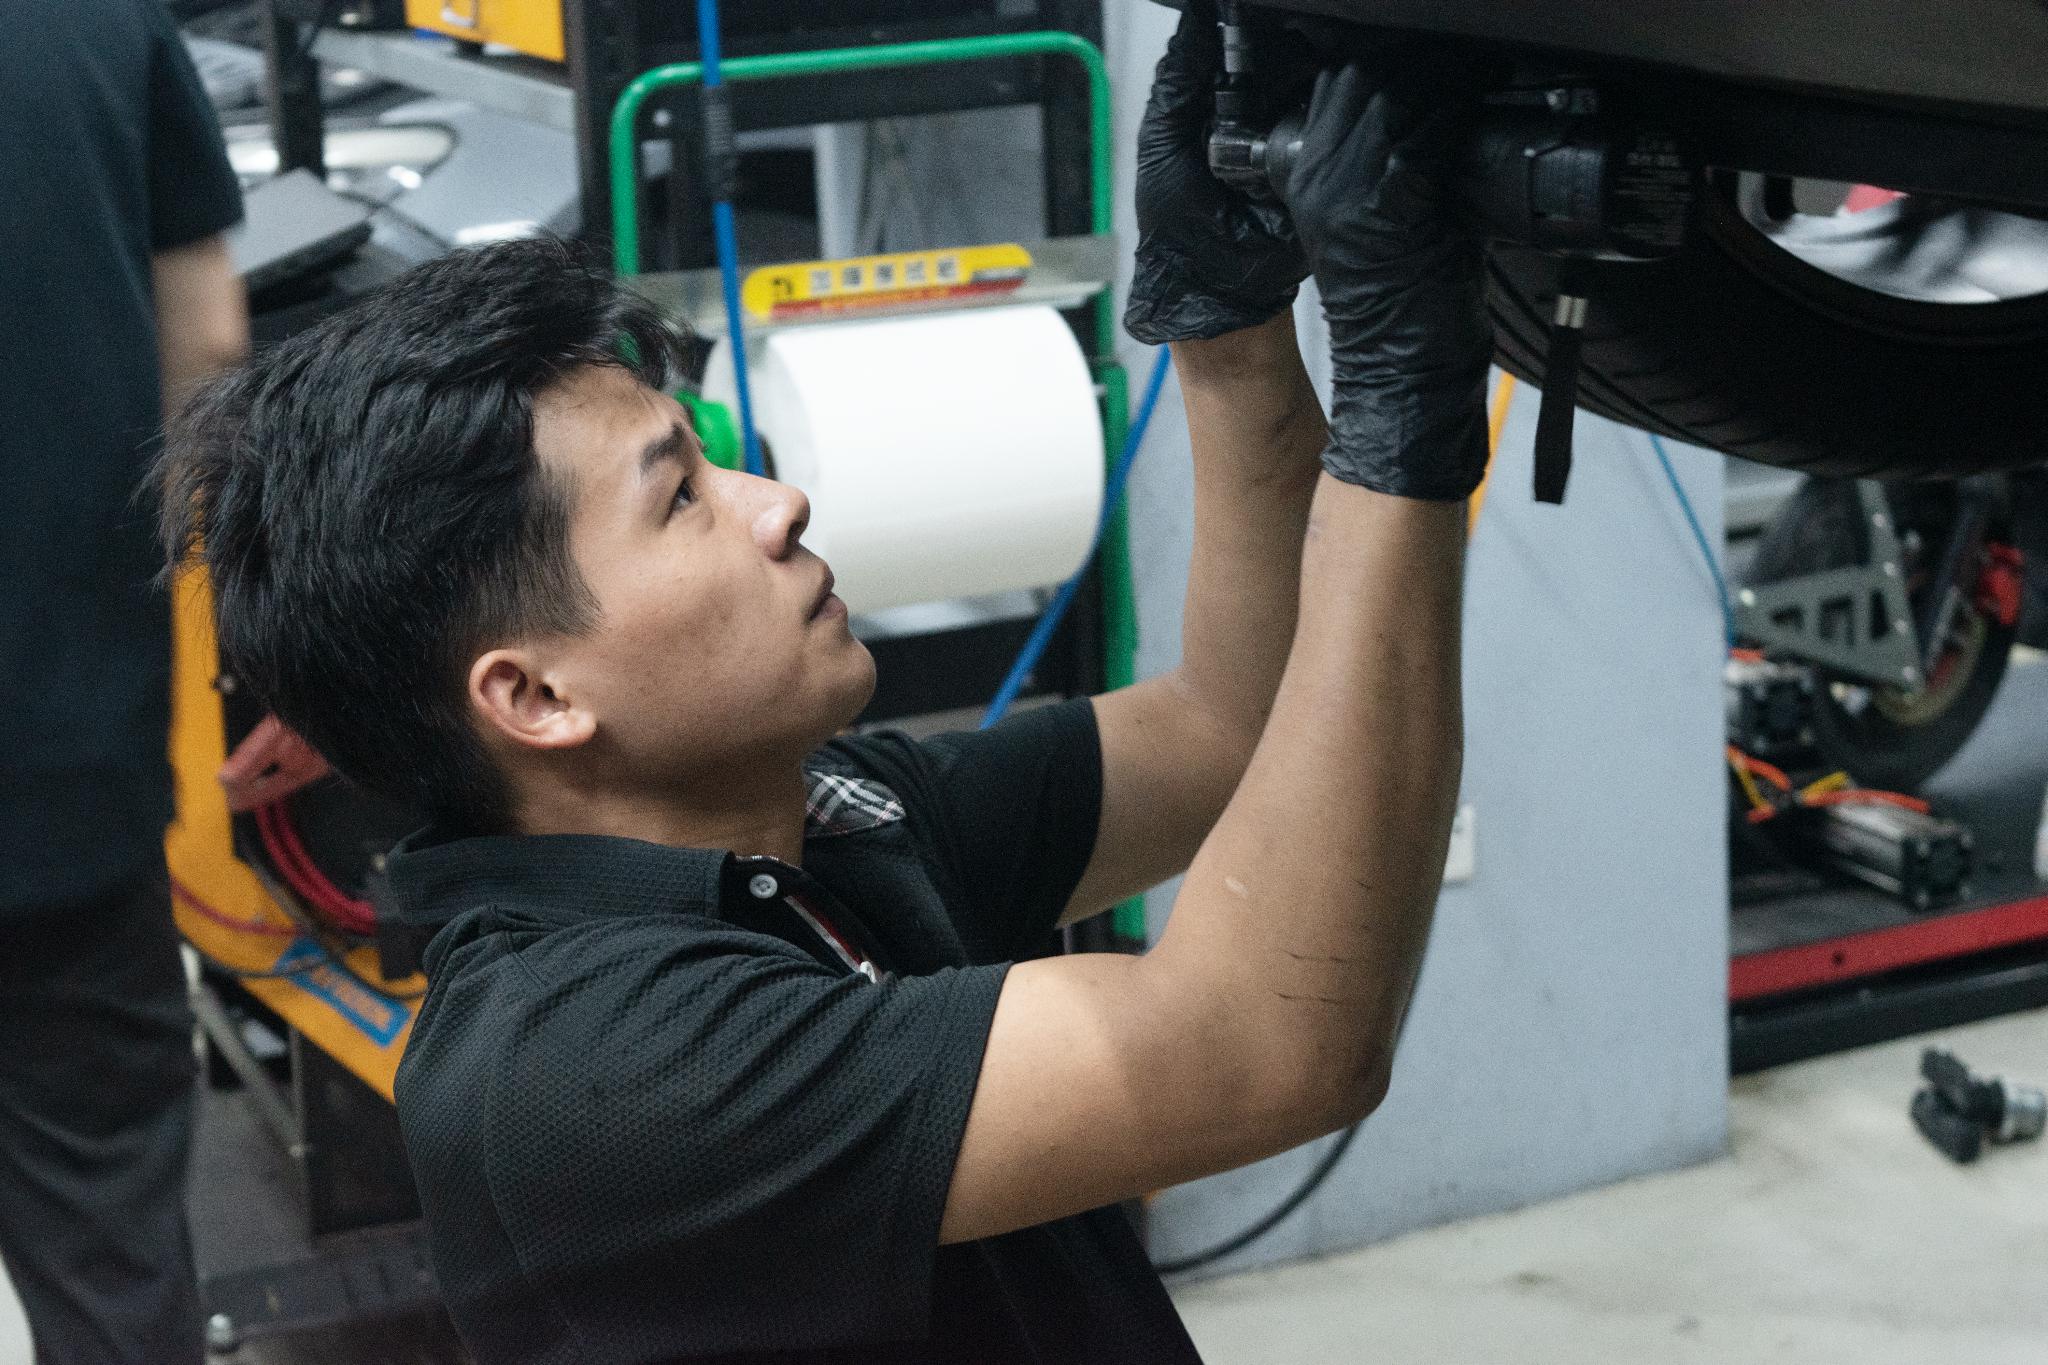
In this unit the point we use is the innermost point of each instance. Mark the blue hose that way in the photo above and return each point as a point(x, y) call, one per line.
point(1699, 537)
point(1112, 498)
point(720, 163)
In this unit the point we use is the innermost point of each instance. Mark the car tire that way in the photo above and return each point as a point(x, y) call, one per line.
point(1738, 345)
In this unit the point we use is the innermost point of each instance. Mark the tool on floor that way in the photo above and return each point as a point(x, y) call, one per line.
point(1959, 1112)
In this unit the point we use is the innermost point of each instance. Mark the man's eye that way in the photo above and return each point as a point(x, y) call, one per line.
point(685, 493)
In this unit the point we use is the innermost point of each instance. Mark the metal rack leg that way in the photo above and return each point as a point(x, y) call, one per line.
point(292, 90)
point(266, 1094)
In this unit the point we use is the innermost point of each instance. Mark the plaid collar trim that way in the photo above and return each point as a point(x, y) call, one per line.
point(838, 804)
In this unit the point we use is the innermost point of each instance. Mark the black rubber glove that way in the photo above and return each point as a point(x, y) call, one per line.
point(1403, 285)
point(1210, 259)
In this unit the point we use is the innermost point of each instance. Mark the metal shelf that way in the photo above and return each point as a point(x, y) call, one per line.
point(523, 87)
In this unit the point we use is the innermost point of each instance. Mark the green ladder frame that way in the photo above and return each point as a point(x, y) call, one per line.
point(1119, 606)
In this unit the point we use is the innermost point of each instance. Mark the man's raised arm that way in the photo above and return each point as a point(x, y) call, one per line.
point(1266, 1013)
point(1174, 747)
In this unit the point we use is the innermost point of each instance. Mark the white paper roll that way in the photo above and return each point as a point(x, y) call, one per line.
point(948, 455)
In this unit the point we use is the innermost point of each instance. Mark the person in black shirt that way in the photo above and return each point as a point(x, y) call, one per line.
point(116, 295)
point(725, 1054)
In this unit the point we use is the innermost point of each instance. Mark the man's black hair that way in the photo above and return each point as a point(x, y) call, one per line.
point(369, 503)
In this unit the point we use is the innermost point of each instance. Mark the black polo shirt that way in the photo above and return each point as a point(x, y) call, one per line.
point(109, 153)
point(657, 1110)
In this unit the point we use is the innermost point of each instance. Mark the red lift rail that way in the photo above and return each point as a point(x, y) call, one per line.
point(1778, 971)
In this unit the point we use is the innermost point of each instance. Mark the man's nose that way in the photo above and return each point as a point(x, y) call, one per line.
point(781, 517)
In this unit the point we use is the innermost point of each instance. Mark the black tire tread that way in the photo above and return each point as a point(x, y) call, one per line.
point(1704, 350)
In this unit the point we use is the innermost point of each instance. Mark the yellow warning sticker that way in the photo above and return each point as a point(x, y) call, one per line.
point(786, 293)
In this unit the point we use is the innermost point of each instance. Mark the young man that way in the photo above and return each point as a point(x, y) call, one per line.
point(724, 1056)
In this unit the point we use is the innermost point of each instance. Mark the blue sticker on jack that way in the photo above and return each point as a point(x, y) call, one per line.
point(309, 967)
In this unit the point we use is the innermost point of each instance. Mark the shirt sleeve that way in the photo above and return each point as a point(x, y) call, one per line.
point(192, 188)
point(1009, 814)
point(703, 1141)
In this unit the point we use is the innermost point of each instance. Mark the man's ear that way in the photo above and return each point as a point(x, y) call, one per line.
point(518, 702)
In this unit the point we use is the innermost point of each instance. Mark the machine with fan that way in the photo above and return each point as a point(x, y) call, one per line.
point(271, 873)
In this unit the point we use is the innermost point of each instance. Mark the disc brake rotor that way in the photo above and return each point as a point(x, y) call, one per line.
point(1951, 674)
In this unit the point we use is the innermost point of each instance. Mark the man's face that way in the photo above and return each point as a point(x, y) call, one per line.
point(717, 642)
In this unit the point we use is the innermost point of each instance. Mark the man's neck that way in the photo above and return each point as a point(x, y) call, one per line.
point(765, 819)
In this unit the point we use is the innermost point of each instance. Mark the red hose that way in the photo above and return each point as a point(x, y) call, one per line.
point(1864, 796)
point(1853, 796)
point(1756, 766)
point(288, 854)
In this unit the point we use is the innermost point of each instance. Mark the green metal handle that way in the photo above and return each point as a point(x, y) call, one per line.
point(833, 61)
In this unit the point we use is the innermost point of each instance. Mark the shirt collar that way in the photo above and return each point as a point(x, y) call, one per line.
point(431, 878)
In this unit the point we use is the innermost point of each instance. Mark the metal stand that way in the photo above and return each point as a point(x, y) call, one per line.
point(1856, 621)
point(291, 87)
point(364, 1251)
point(340, 1135)
point(1099, 639)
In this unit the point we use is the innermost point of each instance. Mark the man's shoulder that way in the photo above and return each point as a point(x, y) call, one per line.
point(507, 994)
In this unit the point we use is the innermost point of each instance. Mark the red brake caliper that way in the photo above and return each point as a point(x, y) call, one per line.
point(1999, 584)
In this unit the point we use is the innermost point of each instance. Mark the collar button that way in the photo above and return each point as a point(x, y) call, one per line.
point(762, 886)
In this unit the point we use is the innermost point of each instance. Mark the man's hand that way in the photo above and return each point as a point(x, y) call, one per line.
point(1210, 260)
point(1403, 287)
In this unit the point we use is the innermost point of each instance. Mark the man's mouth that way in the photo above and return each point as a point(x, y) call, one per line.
point(825, 603)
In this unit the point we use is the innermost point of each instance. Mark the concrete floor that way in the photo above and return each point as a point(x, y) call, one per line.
point(1831, 1232)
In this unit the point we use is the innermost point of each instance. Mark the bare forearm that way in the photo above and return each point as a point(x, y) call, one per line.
point(1174, 747)
point(1256, 429)
point(1309, 905)
point(202, 318)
